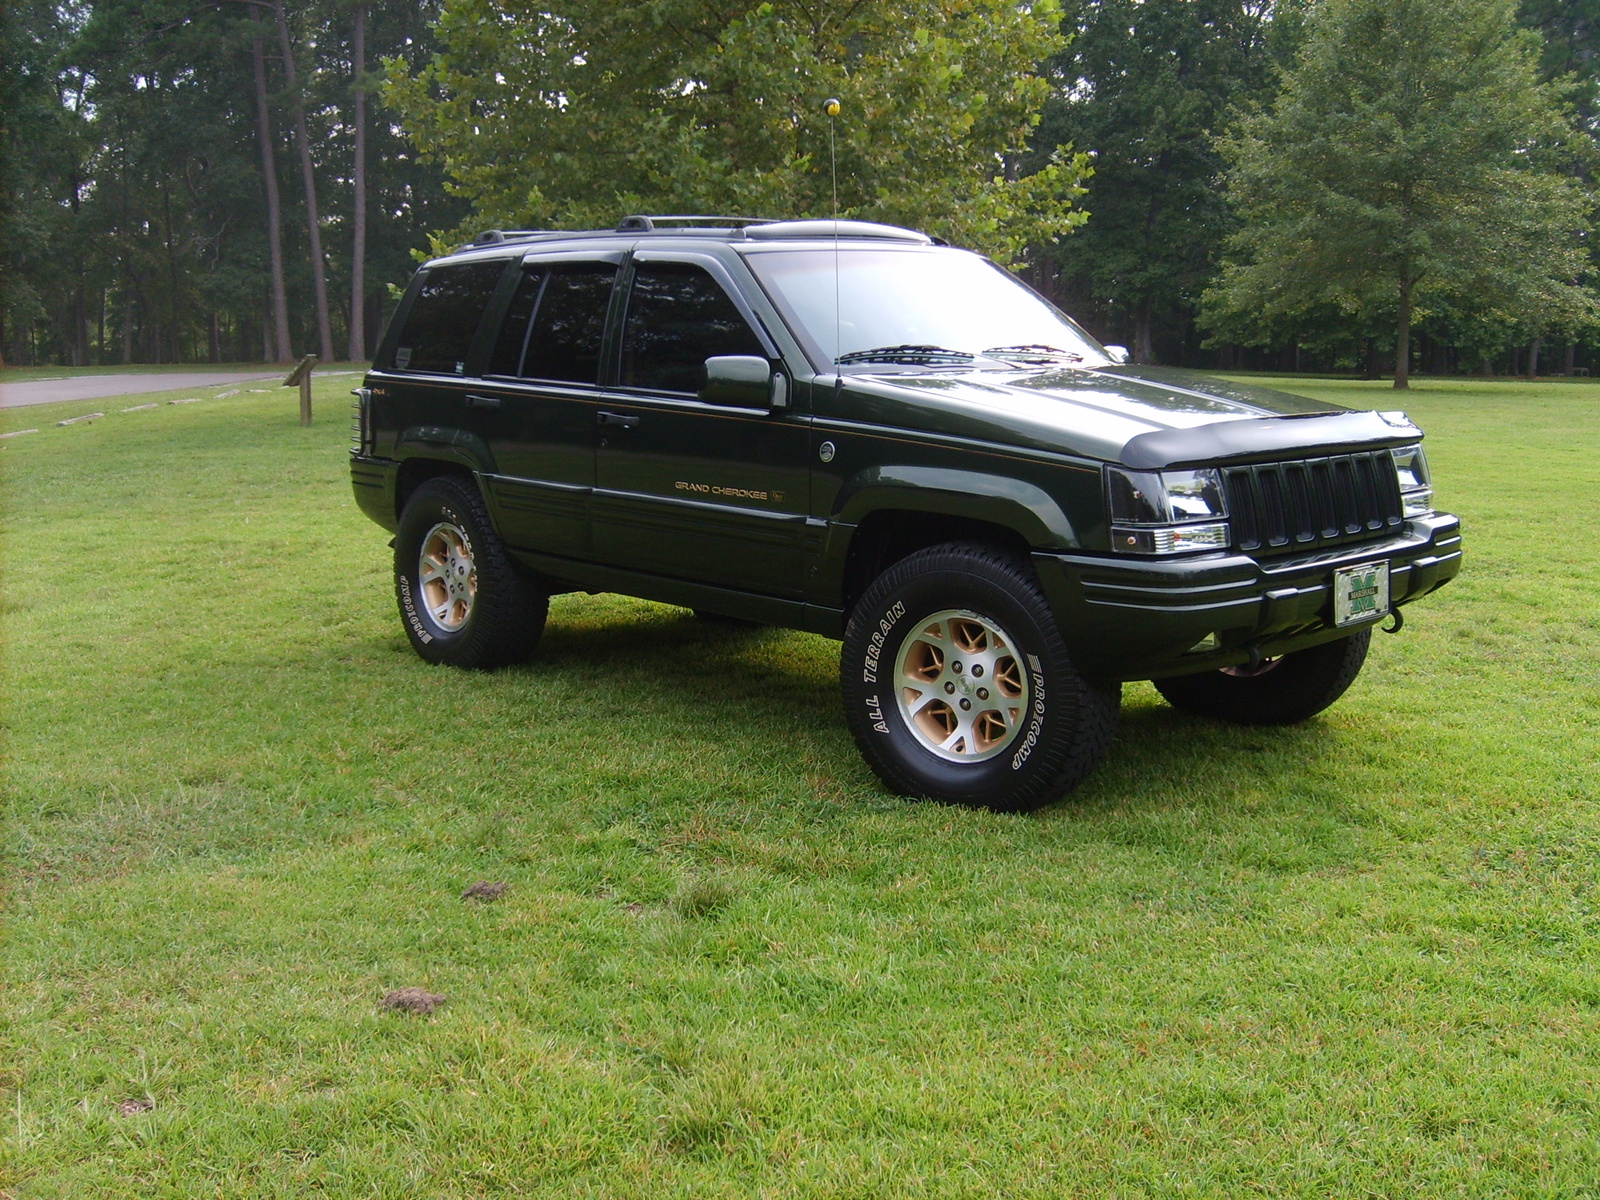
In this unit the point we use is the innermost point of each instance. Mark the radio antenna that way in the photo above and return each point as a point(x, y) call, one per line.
point(831, 107)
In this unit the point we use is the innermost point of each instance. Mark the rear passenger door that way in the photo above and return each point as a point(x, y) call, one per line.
point(539, 397)
point(686, 488)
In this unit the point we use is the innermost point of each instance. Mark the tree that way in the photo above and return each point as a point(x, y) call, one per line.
point(578, 111)
point(1144, 87)
point(1412, 157)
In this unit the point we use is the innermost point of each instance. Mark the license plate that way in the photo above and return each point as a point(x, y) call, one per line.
point(1361, 593)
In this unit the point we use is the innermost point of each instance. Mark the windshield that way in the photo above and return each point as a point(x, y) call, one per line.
point(922, 307)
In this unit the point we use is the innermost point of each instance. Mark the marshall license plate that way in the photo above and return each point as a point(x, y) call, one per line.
point(1360, 593)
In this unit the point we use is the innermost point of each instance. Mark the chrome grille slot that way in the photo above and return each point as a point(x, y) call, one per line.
point(1277, 508)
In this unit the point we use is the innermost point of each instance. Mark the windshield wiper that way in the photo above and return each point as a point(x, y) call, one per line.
point(1033, 352)
point(915, 355)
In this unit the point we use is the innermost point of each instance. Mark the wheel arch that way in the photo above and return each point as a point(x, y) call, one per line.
point(892, 512)
point(417, 470)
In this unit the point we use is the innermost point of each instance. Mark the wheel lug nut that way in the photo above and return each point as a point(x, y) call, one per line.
point(983, 693)
point(949, 688)
point(965, 703)
point(977, 670)
point(956, 667)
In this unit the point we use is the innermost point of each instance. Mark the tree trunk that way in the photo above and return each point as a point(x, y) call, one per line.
point(1533, 359)
point(1144, 351)
point(276, 334)
point(1402, 340)
point(1569, 360)
point(319, 275)
point(358, 249)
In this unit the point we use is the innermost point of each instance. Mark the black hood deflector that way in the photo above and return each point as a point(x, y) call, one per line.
point(1265, 439)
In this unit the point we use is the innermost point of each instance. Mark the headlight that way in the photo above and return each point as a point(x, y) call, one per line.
point(1166, 512)
point(1416, 487)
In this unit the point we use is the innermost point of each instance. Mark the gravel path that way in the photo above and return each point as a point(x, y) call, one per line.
point(93, 387)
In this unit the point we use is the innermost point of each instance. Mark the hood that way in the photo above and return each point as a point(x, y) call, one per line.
point(1089, 411)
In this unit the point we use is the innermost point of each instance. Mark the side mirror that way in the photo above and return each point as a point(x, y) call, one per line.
point(1117, 354)
point(745, 381)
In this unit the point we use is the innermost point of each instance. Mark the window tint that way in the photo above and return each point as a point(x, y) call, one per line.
point(507, 356)
point(444, 316)
point(565, 341)
point(678, 316)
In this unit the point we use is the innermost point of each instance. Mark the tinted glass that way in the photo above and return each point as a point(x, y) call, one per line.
point(507, 356)
point(567, 330)
point(678, 316)
point(866, 298)
point(444, 316)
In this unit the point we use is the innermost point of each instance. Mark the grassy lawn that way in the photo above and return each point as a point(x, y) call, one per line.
point(1359, 957)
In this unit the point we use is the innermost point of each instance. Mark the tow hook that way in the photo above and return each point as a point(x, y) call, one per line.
point(1399, 622)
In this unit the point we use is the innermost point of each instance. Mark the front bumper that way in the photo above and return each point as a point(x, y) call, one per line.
point(1139, 618)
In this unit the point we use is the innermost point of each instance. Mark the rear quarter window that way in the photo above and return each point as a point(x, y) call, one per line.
point(444, 317)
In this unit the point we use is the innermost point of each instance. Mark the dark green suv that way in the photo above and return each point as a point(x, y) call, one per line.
point(854, 430)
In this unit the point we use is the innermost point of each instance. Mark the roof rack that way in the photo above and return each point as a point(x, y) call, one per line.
point(494, 237)
point(639, 223)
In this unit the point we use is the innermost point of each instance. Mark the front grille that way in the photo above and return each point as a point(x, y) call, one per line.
point(1279, 508)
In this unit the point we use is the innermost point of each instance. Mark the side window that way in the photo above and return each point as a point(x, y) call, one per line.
point(564, 343)
point(438, 332)
point(507, 356)
point(679, 316)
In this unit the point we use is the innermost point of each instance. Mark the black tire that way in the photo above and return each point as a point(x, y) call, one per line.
point(1282, 691)
point(1041, 749)
point(495, 615)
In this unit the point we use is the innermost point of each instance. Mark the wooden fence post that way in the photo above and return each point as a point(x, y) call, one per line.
point(302, 375)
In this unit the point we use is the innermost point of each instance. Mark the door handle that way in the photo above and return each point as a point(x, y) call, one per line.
point(622, 419)
point(483, 401)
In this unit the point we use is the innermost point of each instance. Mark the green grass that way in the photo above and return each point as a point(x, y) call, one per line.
point(1359, 957)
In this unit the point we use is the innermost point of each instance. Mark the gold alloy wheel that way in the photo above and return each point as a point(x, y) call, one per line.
point(960, 686)
point(447, 576)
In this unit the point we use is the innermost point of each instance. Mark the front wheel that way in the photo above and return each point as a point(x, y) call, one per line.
point(462, 600)
point(958, 687)
point(1278, 691)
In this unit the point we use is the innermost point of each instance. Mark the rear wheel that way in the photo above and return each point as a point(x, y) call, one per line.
point(462, 600)
point(958, 687)
point(1279, 691)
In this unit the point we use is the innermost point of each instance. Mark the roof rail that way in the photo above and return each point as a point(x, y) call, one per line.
point(494, 237)
point(639, 223)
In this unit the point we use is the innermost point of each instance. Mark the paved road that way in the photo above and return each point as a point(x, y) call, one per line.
point(93, 387)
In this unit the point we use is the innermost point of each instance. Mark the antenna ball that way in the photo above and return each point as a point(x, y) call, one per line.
point(831, 107)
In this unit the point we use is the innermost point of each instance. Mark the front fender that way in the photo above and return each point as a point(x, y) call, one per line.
point(1016, 504)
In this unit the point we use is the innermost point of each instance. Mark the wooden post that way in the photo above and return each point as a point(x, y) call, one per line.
point(302, 375)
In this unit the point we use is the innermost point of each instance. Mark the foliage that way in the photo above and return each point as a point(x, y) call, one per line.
point(134, 219)
point(1358, 957)
point(574, 113)
point(1144, 87)
point(1412, 158)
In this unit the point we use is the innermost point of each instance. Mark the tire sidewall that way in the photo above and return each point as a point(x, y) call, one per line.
point(889, 611)
point(435, 502)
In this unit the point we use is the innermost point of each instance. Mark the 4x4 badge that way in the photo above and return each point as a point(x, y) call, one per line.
point(825, 451)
